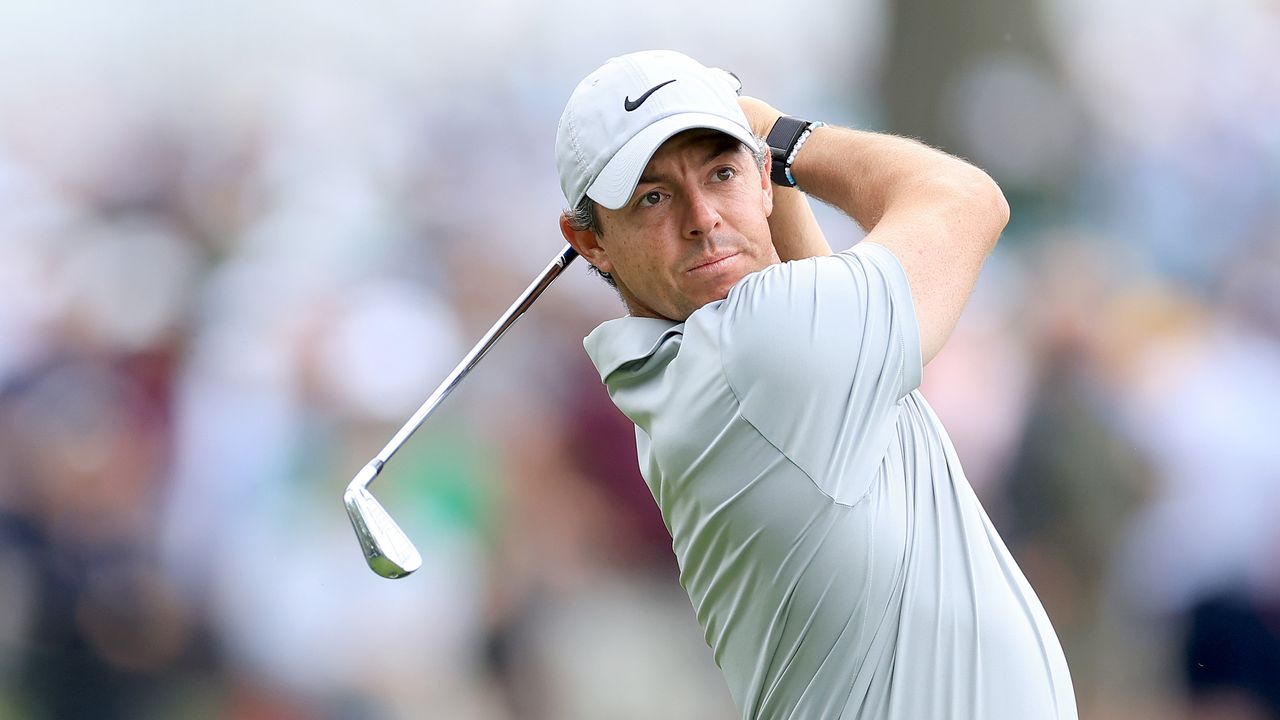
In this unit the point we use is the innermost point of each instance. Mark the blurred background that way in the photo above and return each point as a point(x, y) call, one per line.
point(241, 242)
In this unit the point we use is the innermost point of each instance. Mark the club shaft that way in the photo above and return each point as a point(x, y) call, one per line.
point(513, 313)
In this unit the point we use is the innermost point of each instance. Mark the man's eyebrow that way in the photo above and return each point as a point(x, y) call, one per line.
point(719, 146)
point(723, 146)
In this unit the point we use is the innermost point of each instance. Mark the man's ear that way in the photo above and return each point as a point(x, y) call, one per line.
point(766, 183)
point(586, 243)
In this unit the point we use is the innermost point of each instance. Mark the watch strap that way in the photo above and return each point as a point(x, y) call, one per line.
point(782, 141)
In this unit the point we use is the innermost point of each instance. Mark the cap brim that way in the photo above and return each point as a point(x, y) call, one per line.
point(617, 181)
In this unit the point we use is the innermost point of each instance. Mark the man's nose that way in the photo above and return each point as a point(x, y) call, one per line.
point(701, 215)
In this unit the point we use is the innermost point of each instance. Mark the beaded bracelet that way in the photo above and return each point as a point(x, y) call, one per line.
point(795, 149)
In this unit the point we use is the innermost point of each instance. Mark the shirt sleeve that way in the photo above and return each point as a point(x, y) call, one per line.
point(819, 353)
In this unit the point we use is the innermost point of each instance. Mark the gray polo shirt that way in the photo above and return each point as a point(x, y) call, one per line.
point(836, 557)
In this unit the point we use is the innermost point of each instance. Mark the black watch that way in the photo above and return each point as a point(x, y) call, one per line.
point(783, 140)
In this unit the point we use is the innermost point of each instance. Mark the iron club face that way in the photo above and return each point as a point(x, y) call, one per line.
point(387, 549)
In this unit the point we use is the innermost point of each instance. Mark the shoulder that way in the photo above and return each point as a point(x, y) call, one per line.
point(866, 267)
point(835, 292)
point(822, 319)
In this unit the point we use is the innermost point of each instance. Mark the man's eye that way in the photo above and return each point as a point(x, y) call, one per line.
point(724, 173)
point(650, 199)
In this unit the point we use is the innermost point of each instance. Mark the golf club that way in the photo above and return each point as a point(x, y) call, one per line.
point(387, 549)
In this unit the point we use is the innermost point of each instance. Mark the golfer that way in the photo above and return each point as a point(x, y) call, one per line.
point(835, 555)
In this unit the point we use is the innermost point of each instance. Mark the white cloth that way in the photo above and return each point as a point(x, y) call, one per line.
point(836, 557)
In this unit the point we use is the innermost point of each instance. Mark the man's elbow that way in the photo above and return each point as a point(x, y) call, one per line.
point(999, 209)
point(987, 206)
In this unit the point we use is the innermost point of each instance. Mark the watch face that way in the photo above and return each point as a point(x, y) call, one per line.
point(785, 132)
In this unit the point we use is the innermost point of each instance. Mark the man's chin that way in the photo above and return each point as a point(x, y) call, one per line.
point(726, 282)
point(717, 292)
point(712, 289)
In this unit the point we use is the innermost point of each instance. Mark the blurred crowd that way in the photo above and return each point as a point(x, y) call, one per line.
point(238, 246)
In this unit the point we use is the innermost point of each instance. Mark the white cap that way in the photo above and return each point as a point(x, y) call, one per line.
point(620, 115)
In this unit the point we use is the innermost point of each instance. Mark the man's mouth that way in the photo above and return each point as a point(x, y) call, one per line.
point(712, 264)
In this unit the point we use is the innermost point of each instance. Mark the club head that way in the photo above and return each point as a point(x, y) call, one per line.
point(386, 548)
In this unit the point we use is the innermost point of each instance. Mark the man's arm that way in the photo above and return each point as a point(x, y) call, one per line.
point(796, 233)
point(939, 215)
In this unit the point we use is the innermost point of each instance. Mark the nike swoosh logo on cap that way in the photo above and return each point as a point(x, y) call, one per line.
point(630, 104)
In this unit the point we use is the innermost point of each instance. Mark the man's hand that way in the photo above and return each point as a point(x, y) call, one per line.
point(795, 231)
point(760, 114)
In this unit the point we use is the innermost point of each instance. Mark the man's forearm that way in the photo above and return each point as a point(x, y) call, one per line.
point(866, 174)
point(796, 233)
point(937, 214)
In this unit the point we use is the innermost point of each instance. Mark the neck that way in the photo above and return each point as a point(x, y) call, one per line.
point(635, 308)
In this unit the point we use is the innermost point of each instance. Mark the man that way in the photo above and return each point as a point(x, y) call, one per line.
point(836, 557)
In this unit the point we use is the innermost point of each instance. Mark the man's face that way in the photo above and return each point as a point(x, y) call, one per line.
point(696, 224)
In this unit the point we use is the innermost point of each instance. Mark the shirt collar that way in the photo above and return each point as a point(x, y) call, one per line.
point(617, 342)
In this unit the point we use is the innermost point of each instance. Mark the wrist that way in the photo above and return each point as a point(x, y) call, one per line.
point(785, 140)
